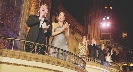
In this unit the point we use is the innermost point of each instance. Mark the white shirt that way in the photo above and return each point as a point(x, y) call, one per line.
point(108, 58)
point(41, 22)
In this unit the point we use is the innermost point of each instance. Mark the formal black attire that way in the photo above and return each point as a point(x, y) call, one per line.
point(92, 51)
point(36, 33)
point(101, 55)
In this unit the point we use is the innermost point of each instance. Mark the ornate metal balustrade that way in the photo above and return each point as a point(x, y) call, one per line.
point(11, 43)
point(112, 67)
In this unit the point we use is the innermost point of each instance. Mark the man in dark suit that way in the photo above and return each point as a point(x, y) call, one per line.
point(40, 29)
point(92, 50)
point(101, 53)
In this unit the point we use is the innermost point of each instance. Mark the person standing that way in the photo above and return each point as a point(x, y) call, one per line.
point(83, 47)
point(92, 49)
point(60, 32)
point(40, 28)
point(101, 53)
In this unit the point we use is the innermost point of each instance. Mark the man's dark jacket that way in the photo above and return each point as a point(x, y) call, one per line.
point(37, 34)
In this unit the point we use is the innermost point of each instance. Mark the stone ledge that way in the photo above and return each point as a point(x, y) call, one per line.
point(39, 58)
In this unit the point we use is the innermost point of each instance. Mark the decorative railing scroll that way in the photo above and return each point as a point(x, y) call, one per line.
point(9, 43)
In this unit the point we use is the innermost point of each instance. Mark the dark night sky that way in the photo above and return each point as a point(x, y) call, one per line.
point(76, 8)
point(123, 19)
point(122, 16)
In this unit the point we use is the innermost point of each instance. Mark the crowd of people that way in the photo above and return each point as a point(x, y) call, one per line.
point(105, 52)
point(101, 51)
point(41, 30)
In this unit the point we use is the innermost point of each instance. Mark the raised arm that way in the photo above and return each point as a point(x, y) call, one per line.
point(49, 30)
point(32, 20)
point(79, 46)
point(67, 30)
point(67, 33)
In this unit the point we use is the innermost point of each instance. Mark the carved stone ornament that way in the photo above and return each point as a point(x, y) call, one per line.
point(38, 58)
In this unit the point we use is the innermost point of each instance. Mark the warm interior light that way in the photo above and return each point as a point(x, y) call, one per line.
point(110, 7)
point(107, 17)
point(103, 18)
point(105, 24)
point(108, 24)
point(124, 64)
point(105, 7)
point(131, 64)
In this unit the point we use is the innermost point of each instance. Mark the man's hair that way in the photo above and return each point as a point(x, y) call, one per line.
point(43, 4)
point(40, 7)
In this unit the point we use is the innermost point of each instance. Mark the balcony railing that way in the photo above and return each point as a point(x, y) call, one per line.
point(12, 43)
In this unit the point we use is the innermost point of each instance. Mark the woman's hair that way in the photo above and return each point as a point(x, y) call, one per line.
point(61, 14)
point(83, 38)
point(109, 52)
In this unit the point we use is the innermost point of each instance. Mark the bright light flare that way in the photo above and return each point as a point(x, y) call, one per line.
point(103, 18)
point(105, 7)
point(108, 25)
point(105, 24)
point(107, 17)
point(111, 7)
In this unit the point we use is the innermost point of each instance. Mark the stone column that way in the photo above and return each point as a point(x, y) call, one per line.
point(34, 4)
point(29, 7)
point(1, 8)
